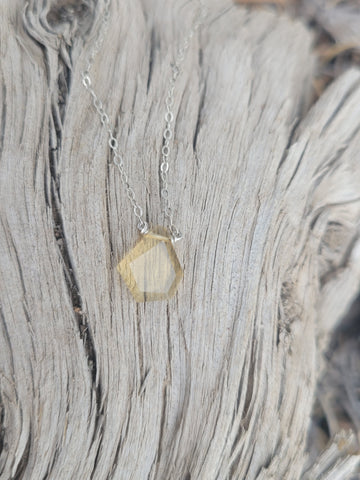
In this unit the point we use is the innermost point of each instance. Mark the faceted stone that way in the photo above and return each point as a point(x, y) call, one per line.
point(151, 270)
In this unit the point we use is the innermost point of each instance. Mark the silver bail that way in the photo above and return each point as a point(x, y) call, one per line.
point(176, 236)
point(143, 227)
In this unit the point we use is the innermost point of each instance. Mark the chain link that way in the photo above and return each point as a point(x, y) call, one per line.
point(169, 118)
point(117, 158)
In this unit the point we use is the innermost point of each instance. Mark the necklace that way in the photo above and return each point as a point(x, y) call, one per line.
point(151, 269)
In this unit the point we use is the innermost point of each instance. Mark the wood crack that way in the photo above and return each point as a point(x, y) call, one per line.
point(2, 428)
point(3, 118)
point(21, 468)
point(199, 113)
point(347, 96)
point(59, 76)
point(151, 58)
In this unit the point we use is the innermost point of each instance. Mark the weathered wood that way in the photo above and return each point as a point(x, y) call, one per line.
point(220, 381)
point(340, 19)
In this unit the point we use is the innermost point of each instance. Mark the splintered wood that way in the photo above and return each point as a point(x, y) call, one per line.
point(219, 382)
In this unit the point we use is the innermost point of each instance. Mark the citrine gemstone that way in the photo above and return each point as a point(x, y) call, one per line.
point(151, 270)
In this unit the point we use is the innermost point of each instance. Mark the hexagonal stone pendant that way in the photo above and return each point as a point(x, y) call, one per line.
point(151, 270)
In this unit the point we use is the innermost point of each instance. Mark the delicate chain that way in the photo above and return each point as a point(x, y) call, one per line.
point(169, 118)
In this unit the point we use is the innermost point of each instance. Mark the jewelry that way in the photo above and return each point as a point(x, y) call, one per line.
point(151, 270)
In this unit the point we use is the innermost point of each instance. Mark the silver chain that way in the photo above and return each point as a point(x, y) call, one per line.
point(117, 158)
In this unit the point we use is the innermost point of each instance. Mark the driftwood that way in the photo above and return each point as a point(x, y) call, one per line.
point(341, 20)
point(220, 381)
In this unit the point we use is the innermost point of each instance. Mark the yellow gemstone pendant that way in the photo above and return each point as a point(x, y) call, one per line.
point(151, 270)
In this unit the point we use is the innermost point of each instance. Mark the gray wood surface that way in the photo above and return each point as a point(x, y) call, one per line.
point(219, 382)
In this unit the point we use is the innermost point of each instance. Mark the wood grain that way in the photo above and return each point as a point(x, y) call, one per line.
point(219, 382)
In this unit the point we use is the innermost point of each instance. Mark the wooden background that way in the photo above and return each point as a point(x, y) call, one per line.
point(241, 375)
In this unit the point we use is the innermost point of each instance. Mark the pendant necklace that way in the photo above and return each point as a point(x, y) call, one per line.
point(151, 269)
